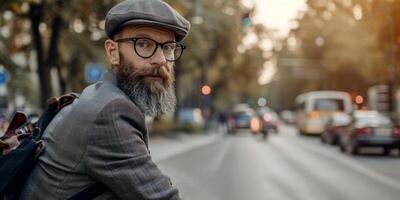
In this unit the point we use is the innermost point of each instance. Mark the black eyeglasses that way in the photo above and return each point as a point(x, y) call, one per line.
point(146, 47)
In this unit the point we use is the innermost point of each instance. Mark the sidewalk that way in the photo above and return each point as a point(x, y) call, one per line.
point(162, 148)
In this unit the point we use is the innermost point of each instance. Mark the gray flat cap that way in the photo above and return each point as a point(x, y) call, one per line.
point(146, 12)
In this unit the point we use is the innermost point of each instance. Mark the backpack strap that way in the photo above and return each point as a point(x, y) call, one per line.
point(55, 104)
point(17, 121)
point(91, 192)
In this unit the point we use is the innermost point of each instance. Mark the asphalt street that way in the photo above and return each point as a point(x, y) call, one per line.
point(284, 167)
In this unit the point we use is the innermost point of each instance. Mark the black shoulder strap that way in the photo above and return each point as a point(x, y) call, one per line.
point(91, 192)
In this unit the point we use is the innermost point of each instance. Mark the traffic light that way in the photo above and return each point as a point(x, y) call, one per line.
point(359, 99)
point(205, 90)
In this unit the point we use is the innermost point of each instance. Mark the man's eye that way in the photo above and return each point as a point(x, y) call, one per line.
point(169, 47)
point(144, 43)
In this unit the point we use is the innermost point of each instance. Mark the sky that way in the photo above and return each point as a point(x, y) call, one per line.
point(276, 14)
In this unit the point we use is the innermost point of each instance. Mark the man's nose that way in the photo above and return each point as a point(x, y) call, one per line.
point(159, 57)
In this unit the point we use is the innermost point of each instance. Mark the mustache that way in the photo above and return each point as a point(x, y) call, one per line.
point(166, 77)
point(161, 72)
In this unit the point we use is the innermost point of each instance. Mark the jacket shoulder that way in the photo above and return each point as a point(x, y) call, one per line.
point(101, 94)
point(122, 109)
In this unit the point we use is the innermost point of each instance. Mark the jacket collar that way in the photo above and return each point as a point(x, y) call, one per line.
point(110, 77)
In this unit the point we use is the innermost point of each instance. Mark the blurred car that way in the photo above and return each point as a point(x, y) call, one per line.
point(243, 119)
point(269, 120)
point(192, 116)
point(314, 108)
point(334, 125)
point(369, 129)
point(288, 116)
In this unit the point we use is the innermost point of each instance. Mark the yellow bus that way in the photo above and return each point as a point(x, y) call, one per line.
point(313, 109)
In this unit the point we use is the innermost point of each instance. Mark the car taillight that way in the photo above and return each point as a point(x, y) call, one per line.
point(313, 115)
point(363, 131)
point(255, 125)
point(396, 132)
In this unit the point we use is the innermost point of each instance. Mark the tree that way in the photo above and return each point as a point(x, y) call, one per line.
point(48, 20)
point(341, 42)
point(67, 35)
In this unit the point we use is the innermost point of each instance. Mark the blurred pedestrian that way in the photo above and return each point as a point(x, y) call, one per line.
point(223, 122)
point(102, 136)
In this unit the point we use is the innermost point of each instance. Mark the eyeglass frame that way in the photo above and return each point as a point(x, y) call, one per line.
point(158, 44)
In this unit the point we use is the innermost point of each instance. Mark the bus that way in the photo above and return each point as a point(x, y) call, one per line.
point(313, 109)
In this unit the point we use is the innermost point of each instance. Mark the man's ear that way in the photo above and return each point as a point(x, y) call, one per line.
point(112, 51)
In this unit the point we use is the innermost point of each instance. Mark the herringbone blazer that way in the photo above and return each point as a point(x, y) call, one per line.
point(100, 137)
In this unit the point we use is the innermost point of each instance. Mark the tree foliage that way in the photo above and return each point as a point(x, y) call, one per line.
point(346, 45)
point(62, 37)
point(62, 34)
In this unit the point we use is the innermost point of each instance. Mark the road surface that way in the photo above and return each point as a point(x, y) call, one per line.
point(285, 167)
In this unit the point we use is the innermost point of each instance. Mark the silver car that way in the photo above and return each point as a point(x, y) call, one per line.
point(369, 129)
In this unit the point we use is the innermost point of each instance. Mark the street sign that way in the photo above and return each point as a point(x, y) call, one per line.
point(94, 72)
point(3, 76)
point(262, 101)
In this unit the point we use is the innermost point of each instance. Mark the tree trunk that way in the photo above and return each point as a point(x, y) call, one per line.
point(53, 59)
point(35, 15)
point(61, 81)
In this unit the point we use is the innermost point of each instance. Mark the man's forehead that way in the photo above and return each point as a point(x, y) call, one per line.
point(158, 32)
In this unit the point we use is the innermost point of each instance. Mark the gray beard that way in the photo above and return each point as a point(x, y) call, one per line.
point(153, 100)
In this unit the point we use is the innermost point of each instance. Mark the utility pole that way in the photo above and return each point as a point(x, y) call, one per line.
point(392, 79)
point(197, 19)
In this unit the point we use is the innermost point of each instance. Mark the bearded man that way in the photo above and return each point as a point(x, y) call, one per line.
point(100, 141)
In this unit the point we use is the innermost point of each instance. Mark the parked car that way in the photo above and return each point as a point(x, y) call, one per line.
point(336, 123)
point(192, 116)
point(369, 129)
